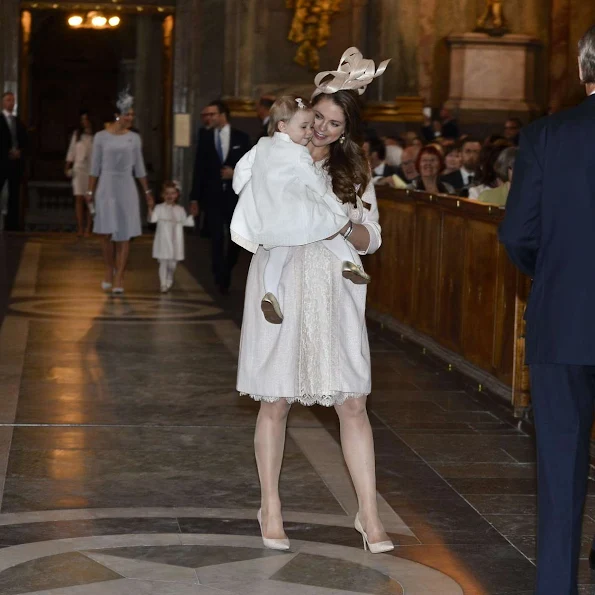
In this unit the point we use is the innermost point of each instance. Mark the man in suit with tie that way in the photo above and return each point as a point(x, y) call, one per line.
point(13, 143)
point(462, 179)
point(549, 233)
point(219, 150)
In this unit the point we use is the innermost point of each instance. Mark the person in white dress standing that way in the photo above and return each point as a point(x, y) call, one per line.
point(117, 159)
point(78, 164)
point(168, 244)
point(320, 354)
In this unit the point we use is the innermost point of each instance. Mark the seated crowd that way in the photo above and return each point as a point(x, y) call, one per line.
point(441, 160)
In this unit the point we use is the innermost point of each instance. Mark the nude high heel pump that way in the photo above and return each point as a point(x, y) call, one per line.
point(375, 548)
point(271, 544)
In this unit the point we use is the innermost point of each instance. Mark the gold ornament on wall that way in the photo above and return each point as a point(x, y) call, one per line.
point(492, 21)
point(311, 28)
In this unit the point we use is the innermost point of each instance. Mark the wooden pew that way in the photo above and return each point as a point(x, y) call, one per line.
point(442, 272)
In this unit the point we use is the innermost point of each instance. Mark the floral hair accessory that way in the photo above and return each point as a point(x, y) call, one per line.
point(353, 73)
point(300, 103)
point(125, 101)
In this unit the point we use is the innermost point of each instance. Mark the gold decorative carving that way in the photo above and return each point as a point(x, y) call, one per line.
point(311, 28)
point(493, 21)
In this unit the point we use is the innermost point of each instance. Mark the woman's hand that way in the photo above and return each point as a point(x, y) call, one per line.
point(150, 200)
point(194, 208)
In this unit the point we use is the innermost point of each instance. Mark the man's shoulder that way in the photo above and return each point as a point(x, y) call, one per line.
point(453, 176)
point(240, 135)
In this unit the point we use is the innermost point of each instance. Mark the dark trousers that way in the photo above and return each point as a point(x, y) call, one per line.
point(563, 398)
point(224, 252)
point(12, 176)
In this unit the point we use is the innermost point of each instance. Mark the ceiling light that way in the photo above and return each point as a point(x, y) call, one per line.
point(98, 21)
point(75, 20)
point(114, 21)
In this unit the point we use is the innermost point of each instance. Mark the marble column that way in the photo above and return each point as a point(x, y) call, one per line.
point(397, 33)
point(559, 50)
point(240, 40)
point(9, 45)
point(426, 45)
point(186, 81)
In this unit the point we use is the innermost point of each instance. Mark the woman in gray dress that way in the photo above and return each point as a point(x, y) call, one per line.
point(117, 159)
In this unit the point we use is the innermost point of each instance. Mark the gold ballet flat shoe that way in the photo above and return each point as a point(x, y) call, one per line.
point(355, 274)
point(271, 309)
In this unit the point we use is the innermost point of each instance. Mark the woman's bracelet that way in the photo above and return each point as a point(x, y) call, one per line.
point(89, 192)
point(349, 231)
point(149, 191)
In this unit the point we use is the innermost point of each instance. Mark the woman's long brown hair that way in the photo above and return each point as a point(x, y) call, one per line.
point(347, 164)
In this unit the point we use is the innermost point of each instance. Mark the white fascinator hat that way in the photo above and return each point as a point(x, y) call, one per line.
point(354, 73)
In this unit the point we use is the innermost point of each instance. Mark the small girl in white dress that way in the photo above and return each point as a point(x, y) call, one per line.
point(168, 244)
point(285, 201)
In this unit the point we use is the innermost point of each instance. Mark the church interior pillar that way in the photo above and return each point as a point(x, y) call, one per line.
point(9, 45)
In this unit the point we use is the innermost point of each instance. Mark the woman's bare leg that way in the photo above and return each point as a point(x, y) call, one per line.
point(269, 443)
point(107, 248)
point(122, 252)
point(80, 208)
point(358, 449)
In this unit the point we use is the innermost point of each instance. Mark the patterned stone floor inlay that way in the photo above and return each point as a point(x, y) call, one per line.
point(236, 565)
point(127, 463)
point(166, 309)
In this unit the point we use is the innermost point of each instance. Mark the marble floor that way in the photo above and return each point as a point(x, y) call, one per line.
point(126, 463)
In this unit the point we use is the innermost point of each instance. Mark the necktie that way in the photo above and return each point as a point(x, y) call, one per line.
point(218, 146)
point(12, 122)
point(470, 180)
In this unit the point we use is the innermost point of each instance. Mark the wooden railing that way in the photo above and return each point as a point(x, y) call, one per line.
point(442, 272)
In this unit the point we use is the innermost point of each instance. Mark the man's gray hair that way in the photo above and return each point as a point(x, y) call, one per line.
point(586, 56)
point(505, 162)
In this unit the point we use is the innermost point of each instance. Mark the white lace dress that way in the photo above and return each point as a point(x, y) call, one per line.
point(320, 353)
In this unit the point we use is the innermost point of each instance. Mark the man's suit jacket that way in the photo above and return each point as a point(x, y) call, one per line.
point(455, 179)
point(388, 170)
point(6, 143)
point(209, 189)
point(549, 233)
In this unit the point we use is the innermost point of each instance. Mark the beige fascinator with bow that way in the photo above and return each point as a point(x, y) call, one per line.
point(354, 73)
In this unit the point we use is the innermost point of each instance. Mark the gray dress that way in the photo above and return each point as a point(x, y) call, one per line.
point(117, 158)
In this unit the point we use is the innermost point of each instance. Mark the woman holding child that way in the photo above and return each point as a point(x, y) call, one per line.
point(319, 352)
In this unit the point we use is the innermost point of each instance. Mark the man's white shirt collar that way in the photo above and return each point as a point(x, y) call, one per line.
point(379, 169)
point(7, 115)
point(466, 173)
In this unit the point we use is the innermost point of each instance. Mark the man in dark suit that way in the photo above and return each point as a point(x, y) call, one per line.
point(218, 152)
point(375, 151)
point(549, 233)
point(462, 179)
point(263, 110)
point(13, 144)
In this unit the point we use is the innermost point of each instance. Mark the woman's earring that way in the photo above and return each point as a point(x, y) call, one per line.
point(117, 118)
point(342, 139)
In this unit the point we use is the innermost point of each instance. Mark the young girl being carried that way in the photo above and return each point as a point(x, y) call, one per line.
point(168, 244)
point(285, 201)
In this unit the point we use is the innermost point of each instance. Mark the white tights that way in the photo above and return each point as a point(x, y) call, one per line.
point(167, 268)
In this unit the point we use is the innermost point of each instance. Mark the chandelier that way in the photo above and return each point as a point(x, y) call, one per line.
point(93, 20)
